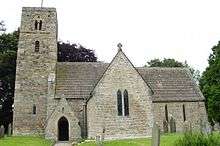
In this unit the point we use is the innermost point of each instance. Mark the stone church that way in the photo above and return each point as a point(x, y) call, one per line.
point(73, 100)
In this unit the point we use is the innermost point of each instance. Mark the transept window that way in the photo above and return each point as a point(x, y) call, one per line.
point(119, 100)
point(123, 103)
point(126, 103)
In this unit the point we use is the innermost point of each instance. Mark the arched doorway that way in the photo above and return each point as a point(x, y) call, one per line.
point(63, 129)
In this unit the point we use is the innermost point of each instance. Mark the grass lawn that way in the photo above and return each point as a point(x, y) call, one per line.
point(25, 141)
point(166, 140)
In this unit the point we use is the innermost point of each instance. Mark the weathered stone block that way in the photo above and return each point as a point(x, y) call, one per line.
point(172, 125)
point(165, 126)
point(2, 131)
point(155, 135)
point(9, 132)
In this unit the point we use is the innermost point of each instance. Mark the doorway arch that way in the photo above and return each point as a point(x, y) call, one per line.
point(63, 129)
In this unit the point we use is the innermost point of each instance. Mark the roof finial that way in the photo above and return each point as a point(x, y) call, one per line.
point(119, 46)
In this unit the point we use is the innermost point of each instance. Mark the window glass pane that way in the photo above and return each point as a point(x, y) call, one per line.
point(166, 113)
point(37, 46)
point(35, 24)
point(119, 100)
point(184, 113)
point(34, 109)
point(126, 103)
point(40, 25)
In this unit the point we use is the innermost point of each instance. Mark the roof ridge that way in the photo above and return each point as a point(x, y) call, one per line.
point(163, 68)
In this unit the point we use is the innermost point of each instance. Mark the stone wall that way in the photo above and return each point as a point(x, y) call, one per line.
point(33, 69)
point(63, 109)
point(194, 111)
point(102, 107)
point(77, 106)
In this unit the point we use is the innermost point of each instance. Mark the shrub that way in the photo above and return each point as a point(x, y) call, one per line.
point(199, 139)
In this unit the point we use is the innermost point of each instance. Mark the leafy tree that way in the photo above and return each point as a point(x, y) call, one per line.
point(169, 62)
point(210, 85)
point(75, 53)
point(8, 53)
point(165, 63)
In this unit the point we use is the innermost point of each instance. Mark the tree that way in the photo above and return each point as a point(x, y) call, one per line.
point(75, 53)
point(8, 53)
point(168, 62)
point(210, 85)
point(165, 63)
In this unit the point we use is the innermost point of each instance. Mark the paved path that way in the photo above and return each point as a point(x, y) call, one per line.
point(63, 143)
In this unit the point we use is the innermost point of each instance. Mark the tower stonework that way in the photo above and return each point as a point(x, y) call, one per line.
point(36, 60)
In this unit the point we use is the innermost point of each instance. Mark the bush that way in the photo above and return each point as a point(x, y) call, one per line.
point(199, 139)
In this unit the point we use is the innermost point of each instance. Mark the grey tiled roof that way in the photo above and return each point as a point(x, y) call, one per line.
point(171, 84)
point(77, 80)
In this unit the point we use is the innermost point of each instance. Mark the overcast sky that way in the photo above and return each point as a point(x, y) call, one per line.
point(148, 29)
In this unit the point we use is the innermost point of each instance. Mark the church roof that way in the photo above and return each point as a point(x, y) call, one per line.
point(171, 84)
point(77, 80)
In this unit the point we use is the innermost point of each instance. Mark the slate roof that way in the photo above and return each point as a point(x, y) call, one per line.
point(171, 84)
point(77, 80)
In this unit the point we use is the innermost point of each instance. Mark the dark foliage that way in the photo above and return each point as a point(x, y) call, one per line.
point(73, 53)
point(169, 62)
point(166, 62)
point(8, 53)
point(210, 85)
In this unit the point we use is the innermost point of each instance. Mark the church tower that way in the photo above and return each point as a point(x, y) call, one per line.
point(36, 60)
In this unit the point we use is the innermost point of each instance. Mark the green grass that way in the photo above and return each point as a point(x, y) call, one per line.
point(166, 140)
point(199, 139)
point(25, 141)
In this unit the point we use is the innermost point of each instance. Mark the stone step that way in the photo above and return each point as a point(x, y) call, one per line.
point(63, 143)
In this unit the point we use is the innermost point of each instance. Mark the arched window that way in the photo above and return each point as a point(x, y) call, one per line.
point(184, 113)
point(119, 100)
point(34, 109)
point(126, 103)
point(40, 25)
point(37, 46)
point(36, 24)
point(166, 113)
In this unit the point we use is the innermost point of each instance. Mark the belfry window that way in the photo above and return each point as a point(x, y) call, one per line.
point(37, 46)
point(34, 109)
point(123, 103)
point(38, 24)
